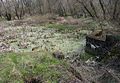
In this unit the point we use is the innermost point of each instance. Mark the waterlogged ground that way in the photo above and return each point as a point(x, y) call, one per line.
point(28, 38)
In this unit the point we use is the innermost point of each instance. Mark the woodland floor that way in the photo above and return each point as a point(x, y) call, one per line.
point(26, 55)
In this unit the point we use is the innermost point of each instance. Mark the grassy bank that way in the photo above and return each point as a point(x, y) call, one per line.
point(17, 67)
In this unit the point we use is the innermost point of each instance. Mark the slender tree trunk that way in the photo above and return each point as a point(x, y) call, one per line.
point(93, 8)
point(115, 9)
point(85, 7)
point(103, 9)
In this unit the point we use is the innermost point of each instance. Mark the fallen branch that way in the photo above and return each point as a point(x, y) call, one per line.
point(75, 73)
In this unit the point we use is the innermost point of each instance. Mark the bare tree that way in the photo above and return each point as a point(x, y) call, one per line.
point(97, 9)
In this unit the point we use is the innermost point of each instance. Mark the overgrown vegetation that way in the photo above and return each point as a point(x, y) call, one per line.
point(17, 67)
point(86, 56)
point(37, 33)
point(62, 27)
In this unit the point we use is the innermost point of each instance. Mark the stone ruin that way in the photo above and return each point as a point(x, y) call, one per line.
point(101, 42)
